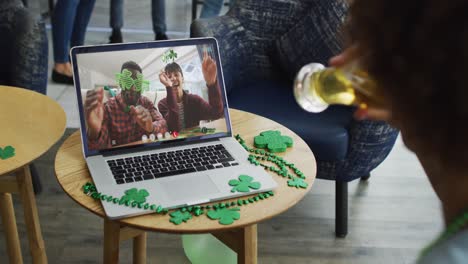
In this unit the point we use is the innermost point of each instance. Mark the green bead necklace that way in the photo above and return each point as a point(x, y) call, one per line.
point(282, 165)
point(454, 227)
point(197, 210)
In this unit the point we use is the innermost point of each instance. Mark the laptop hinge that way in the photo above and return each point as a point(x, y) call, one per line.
point(170, 144)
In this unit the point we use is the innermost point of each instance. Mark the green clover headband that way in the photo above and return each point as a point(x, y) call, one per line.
point(125, 80)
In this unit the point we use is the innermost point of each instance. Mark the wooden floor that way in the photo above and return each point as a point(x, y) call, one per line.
point(391, 218)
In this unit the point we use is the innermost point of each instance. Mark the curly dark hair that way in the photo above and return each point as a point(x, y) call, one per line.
point(417, 51)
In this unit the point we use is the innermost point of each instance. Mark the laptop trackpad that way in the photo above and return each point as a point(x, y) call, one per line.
point(189, 188)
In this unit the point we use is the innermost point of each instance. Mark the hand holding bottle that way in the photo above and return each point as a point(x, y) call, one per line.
point(365, 110)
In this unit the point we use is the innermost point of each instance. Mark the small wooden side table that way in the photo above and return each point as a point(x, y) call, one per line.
point(72, 173)
point(31, 123)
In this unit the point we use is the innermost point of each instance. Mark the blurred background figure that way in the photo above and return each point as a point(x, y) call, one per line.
point(69, 21)
point(158, 15)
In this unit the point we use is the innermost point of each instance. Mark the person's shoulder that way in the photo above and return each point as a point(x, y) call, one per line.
point(145, 101)
point(451, 251)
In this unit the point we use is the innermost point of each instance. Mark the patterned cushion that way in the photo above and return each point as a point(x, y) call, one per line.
point(314, 38)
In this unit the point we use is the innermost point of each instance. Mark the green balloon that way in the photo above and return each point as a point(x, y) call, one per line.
point(206, 249)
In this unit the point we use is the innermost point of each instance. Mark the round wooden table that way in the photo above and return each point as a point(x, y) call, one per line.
point(72, 173)
point(31, 123)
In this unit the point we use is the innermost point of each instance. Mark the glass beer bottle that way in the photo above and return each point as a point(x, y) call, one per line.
point(317, 87)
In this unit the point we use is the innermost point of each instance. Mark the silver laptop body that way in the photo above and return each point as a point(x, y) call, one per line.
point(186, 186)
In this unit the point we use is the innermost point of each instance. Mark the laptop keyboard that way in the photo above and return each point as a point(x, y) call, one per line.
point(153, 166)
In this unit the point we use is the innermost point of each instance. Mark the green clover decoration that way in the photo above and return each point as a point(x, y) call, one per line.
point(125, 80)
point(135, 195)
point(178, 217)
point(7, 152)
point(226, 216)
point(298, 183)
point(244, 184)
point(273, 141)
point(169, 55)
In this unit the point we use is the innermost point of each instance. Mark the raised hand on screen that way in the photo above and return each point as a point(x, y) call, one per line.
point(94, 111)
point(164, 79)
point(209, 69)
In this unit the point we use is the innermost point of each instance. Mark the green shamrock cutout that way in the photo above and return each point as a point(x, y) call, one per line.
point(135, 195)
point(178, 217)
point(125, 80)
point(7, 152)
point(244, 184)
point(273, 141)
point(225, 215)
point(298, 183)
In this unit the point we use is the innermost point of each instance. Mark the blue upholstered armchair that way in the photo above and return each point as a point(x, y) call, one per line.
point(263, 44)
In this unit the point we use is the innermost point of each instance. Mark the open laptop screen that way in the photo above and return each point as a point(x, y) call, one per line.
point(147, 94)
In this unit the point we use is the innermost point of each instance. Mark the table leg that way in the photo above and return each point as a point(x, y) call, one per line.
point(111, 241)
point(9, 225)
point(33, 228)
point(247, 253)
point(243, 241)
point(139, 249)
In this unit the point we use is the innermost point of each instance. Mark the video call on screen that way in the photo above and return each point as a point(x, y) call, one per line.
point(145, 96)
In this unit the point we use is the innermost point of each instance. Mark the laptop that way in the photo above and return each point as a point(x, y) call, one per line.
point(154, 116)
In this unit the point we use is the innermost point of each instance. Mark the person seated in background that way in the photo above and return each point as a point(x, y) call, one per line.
point(183, 110)
point(124, 118)
point(417, 54)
